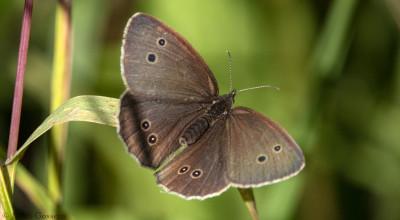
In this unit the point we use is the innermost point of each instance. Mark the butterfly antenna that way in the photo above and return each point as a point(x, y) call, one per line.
point(230, 77)
point(258, 87)
point(230, 70)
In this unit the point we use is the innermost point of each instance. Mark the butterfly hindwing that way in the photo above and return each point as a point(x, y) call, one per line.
point(199, 171)
point(260, 151)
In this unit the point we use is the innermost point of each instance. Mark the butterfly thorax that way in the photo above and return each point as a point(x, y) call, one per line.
point(218, 110)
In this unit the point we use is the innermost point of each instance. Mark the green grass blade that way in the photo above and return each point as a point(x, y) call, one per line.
point(7, 210)
point(34, 190)
point(96, 109)
point(60, 93)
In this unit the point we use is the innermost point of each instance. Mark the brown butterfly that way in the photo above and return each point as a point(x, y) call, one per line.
point(172, 102)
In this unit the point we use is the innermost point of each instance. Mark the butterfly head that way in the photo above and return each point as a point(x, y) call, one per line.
point(232, 95)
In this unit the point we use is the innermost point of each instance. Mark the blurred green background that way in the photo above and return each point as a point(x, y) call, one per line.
point(337, 64)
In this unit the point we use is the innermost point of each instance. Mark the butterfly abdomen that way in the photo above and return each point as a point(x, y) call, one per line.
point(195, 131)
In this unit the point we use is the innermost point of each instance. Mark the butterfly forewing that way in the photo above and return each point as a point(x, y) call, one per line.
point(149, 127)
point(159, 62)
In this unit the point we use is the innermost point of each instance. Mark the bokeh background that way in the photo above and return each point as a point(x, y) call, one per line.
point(338, 66)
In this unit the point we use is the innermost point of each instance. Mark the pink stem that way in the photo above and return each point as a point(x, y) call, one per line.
point(19, 82)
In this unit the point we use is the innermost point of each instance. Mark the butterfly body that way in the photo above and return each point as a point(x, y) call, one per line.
point(218, 110)
point(172, 101)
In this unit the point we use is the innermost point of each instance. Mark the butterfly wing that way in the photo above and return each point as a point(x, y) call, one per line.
point(157, 61)
point(169, 84)
point(150, 128)
point(199, 171)
point(260, 151)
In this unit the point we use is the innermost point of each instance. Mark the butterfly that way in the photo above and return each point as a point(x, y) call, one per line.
point(172, 104)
